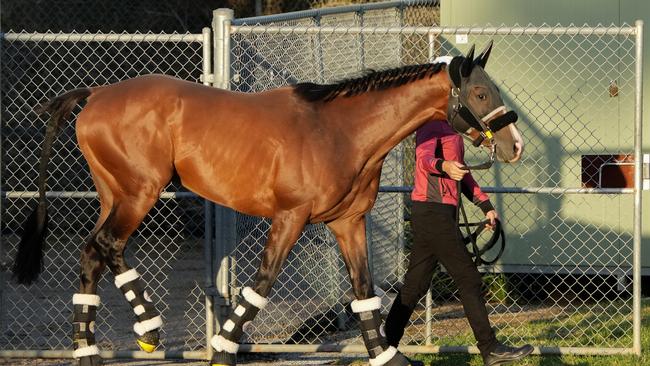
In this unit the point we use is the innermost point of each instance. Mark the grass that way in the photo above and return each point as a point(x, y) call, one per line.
point(538, 330)
point(538, 333)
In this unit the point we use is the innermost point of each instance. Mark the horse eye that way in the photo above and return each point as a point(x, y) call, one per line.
point(482, 96)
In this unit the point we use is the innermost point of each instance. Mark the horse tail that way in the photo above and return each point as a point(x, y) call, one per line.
point(29, 259)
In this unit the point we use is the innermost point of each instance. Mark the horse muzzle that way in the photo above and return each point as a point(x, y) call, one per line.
point(495, 121)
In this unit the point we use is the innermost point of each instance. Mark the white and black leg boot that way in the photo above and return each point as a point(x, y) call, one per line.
point(83, 325)
point(146, 328)
point(381, 354)
point(225, 343)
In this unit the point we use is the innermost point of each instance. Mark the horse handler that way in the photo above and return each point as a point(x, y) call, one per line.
point(436, 237)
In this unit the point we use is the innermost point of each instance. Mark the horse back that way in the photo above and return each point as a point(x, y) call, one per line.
point(254, 152)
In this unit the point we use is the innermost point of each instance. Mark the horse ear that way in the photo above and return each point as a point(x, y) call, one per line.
point(481, 60)
point(468, 63)
point(455, 65)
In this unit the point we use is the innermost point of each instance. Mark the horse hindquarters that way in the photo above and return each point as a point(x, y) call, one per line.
point(127, 191)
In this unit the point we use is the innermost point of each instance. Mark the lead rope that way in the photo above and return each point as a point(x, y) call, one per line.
point(461, 209)
point(498, 233)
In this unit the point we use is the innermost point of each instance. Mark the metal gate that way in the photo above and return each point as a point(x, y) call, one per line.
point(570, 264)
point(168, 245)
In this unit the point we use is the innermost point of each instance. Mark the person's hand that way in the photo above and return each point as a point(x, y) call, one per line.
point(454, 169)
point(493, 217)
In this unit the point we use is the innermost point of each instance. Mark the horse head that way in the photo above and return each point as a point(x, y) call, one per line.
point(476, 108)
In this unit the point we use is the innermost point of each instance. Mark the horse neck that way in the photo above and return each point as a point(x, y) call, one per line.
point(379, 120)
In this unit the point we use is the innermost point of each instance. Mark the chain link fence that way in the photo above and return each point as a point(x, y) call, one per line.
point(167, 246)
point(565, 277)
point(564, 280)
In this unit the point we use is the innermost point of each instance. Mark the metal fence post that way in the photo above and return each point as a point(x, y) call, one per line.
point(362, 54)
point(224, 218)
point(208, 240)
point(2, 246)
point(638, 185)
point(428, 316)
point(258, 8)
point(209, 276)
point(319, 51)
point(428, 304)
point(221, 19)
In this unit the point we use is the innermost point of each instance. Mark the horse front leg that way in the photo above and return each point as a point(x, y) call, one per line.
point(285, 230)
point(351, 236)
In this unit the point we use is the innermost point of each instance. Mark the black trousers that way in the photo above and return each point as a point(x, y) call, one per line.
point(436, 237)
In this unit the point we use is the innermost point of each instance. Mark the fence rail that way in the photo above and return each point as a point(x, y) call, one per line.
point(492, 31)
point(528, 190)
point(98, 37)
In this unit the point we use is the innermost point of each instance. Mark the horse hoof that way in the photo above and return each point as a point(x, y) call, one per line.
point(148, 341)
point(398, 360)
point(146, 346)
point(223, 359)
point(415, 362)
point(93, 360)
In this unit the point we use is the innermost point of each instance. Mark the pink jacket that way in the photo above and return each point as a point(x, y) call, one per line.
point(435, 142)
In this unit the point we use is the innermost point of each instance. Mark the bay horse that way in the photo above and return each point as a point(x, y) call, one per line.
point(299, 154)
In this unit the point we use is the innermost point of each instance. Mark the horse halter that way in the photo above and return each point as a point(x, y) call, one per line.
point(461, 118)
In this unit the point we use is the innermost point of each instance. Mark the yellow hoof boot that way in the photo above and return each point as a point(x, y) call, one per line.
point(146, 346)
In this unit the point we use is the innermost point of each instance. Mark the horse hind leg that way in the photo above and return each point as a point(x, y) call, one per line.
point(105, 247)
point(149, 321)
point(129, 179)
point(85, 304)
point(111, 240)
point(285, 230)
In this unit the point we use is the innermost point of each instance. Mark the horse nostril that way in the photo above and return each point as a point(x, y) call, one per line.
point(516, 150)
